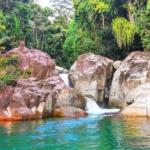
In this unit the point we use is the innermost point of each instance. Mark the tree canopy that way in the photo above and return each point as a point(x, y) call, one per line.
point(110, 28)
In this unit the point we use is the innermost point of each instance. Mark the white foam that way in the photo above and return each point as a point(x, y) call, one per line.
point(93, 108)
point(65, 78)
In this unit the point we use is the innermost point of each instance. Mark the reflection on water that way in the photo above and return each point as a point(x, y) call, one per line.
point(93, 132)
point(19, 127)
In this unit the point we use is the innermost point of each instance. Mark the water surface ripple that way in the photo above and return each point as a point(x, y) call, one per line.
point(91, 133)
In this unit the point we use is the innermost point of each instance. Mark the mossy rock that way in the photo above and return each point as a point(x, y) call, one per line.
point(9, 70)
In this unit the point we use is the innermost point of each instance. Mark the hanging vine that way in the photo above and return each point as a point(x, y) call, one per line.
point(15, 25)
point(123, 31)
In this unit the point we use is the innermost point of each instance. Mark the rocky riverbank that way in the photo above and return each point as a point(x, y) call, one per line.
point(36, 94)
point(39, 92)
point(127, 86)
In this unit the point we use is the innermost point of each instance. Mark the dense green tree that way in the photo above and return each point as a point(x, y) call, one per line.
point(2, 31)
point(110, 28)
point(103, 27)
point(26, 20)
point(142, 21)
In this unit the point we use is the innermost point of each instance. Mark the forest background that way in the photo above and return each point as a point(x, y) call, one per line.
point(111, 28)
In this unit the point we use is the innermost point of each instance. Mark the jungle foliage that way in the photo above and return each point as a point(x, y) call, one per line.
point(26, 20)
point(112, 28)
point(9, 70)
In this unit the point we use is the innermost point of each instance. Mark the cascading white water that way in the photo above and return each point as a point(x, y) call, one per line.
point(93, 108)
point(65, 78)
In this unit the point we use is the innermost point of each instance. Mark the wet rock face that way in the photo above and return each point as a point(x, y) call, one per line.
point(34, 99)
point(91, 75)
point(130, 89)
point(69, 112)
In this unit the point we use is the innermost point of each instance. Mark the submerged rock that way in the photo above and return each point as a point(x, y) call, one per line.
point(91, 75)
point(130, 89)
point(65, 111)
point(33, 99)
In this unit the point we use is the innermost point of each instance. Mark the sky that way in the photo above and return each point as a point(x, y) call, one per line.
point(44, 3)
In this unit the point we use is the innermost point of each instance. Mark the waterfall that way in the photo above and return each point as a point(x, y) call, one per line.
point(93, 108)
point(65, 78)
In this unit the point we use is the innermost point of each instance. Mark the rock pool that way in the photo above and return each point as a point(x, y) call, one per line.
point(94, 132)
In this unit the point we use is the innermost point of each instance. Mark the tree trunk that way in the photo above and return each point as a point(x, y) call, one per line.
point(42, 42)
point(36, 36)
point(36, 33)
point(103, 19)
point(130, 12)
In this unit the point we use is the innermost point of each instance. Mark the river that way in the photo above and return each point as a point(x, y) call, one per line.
point(95, 132)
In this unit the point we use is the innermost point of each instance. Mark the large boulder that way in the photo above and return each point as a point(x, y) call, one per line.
point(130, 89)
point(39, 63)
point(91, 75)
point(73, 112)
point(36, 99)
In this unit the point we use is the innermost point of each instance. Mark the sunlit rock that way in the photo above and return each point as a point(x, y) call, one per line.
point(39, 63)
point(130, 89)
point(36, 99)
point(91, 75)
point(65, 111)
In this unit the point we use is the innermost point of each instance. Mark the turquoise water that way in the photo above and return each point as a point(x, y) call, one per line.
point(91, 133)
